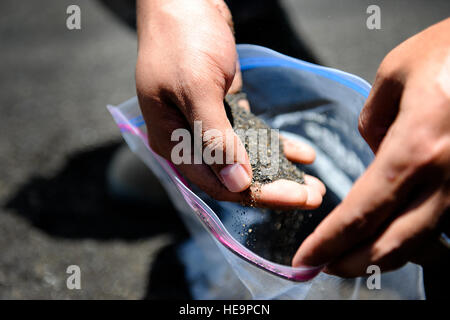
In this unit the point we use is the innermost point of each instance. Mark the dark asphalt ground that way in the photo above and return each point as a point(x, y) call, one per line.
point(56, 138)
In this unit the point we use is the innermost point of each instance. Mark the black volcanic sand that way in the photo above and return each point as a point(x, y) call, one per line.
point(243, 119)
point(277, 238)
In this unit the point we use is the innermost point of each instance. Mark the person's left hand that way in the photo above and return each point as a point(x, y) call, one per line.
point(395, 212)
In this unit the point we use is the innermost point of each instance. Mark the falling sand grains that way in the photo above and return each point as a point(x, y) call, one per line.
point(278, 238)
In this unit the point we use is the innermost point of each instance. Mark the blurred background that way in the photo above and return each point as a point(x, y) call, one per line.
point(57, 138)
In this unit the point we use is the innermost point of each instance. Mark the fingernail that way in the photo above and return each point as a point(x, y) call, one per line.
point(296, 263)
point(235, 177)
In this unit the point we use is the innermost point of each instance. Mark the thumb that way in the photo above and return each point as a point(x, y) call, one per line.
point(221, 148)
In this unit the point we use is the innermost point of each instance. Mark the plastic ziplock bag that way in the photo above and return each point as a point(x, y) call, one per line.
point(241, 253)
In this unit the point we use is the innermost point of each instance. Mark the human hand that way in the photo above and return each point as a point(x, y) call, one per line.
point(187, 63)
point(397, 209)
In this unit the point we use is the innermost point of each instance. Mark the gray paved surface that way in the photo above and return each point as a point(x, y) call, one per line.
point(336, 29)
point(54, 88)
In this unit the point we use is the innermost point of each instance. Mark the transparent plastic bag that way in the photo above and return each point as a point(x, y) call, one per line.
point(235, 250)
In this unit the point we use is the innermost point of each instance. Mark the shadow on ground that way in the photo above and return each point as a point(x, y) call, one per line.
point(75, 204)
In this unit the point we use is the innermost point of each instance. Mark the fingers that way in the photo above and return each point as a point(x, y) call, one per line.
point(243, 103)
point(374, 197)
point(203, 177)
point(223, 150)
point(380, 109)
point(396, 245)
point(315, 183)
point(412, 157)
point(162, 130)
point(222, 177)
point(289, 194)
point(297, 151)
point(283, 193)
point(170, 136)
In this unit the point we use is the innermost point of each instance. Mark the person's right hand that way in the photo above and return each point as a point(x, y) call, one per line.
point(397, 210)
point(187, 63)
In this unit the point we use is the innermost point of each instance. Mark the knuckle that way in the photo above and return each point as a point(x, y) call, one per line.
point(153, 84)
point(145, 85)
point(190, 80)
point(388, 66)
point(356, 224)
point(149, 92)
point(389, 75)
point(439, 150)
point(384, 72)
point(427, 151)
point(212, 141)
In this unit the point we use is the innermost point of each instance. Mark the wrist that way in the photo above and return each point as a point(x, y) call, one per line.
point(146, 10)
point(177, 20)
